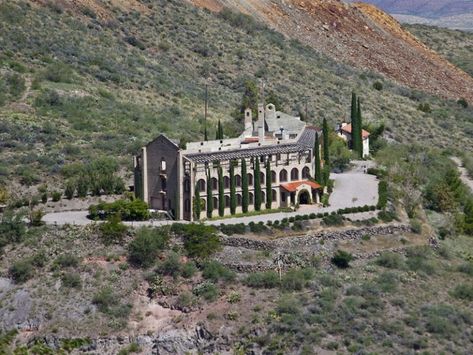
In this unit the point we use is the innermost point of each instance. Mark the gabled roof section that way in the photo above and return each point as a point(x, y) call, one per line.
point(347, 129)
point(165, 139)
point(293, 186)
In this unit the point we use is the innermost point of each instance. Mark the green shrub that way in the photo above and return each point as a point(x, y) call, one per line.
point(12, 228)
point(36, 218)
point(171, 265)
point(199, 240)
point(215, 271)
point(230, 229)
point(333, 220)
point(69, 190)
point(418, 259)
point(257, 227)
point(113, 230)
point(387, 281)
point(104, 299)
point(341, 259)
point(207, 290)
point(416, 227)
point(185, 299)
point(188, 270)
point(21, 271)
point(56, 196)
point(296, 279)
point(128, 210)
point(466, 268)
point(463, 292)
point(463, 103)
point(378, 85)
point(383, 194)
point(387, 216)
point(265, 279)
point(66, 260)
point(147, 245)
point(44, 197)
point(71, 280)
point(390, 260)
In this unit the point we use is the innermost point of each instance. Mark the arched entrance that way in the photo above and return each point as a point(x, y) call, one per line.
point(304, 198)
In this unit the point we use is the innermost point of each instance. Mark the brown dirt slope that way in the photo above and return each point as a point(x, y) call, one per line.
point(360, 35)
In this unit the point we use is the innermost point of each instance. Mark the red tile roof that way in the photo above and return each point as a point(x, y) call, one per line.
point(292, 186)
point(347, 129)
point(251, 140)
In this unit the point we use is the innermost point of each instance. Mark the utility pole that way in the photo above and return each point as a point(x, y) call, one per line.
point(306, 110)
point(206, 110)
point(264, 99)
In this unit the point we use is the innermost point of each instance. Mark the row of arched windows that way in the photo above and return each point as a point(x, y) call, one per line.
point(238, 181)
point(251, 199)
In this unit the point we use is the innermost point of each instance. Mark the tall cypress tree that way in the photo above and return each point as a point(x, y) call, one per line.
point(219, 131)
point(206, 138)
point(257, 180)
point(326, 143)
point(232, 188)
point(354, 123)
point(245, 195)
point(197, 203)
point(359, 130)
point(210, 202)
point(269, 191)
point(221, 193)
point(317, 167)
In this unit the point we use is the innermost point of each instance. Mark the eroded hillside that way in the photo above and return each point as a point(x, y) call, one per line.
point(359, 35)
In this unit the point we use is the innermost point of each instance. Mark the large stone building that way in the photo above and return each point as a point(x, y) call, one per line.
point(167, 176)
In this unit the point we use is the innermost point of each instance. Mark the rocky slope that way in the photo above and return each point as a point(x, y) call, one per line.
point(360, 35)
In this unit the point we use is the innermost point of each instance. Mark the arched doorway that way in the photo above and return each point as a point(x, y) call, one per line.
point(304, 198)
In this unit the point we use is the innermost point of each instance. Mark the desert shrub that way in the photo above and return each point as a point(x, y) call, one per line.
point(418, 259)
point(466, 268)
point(341, 259)
point(230, 229)
point(463, 103)
point(113, 230)
point(296, 279)
point(21, 271)
point(378, 85)
point(36, 218)
point(207, 290)
point(69, 190)
point(333, 220)
point(59, 72)
point(128, 210)
point(387, 281)
point(71, 280)
point(265, 279)
point(416, 226)
point(65, 261)
point(463, 292)
point(425, 107)
point(257, 227)
point(445, 320)
point(215, 271)
point(171, 265)
point(185, 299)
point(104, 299)
point(387, 216)
point(199, 240)
point(234, 297)
point(130, 349)
point(188, 269)
point(12, 228)
point(147, 245)
point(390, 260)
point(288, 305)
point(56, 196)
point(44, 197)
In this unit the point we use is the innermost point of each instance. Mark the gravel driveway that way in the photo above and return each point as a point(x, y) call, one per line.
point(351, 189)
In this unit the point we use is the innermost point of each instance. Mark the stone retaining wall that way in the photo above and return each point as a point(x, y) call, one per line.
point(313, 238)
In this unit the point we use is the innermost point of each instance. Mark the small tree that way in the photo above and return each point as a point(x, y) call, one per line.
point(197, 203)
point(221, 194)
point(244, 187)
point(342, 259)
point(269, 191)
point(232, 188)
point(359, 131)
point(317, 166)
point(145, 248)
point(257, 181)
point(210, 204)
point(69, 190)
point(326, 143)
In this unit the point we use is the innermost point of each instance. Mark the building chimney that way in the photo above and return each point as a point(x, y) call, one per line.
point(248, 120)
point(261, 122)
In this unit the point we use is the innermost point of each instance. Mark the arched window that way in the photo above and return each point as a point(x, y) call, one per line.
point(163, 183)
point(251, 198)
point(163, 165)
point(238, 197)
point(273, 195)
point(214, 183)
point(273, 177)
point(226, 182)
point(262, 179)
point(306, 173)
point(215, 206)
point(227, 201)
point(187, 205)
point(294, 174)
point(187, 185)
point(283, 175)
point(203, 204)
point(201, 185)
point(250, 180)
point(238, 180)
point(263, 198)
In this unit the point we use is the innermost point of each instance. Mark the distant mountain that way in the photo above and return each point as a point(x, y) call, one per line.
point(441, 13)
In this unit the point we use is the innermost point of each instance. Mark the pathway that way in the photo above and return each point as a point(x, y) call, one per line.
point(467, 180)
point(351, 189)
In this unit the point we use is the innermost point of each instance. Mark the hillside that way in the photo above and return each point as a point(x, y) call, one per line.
point(362, 36)
point(455, 46)
point(102, 78)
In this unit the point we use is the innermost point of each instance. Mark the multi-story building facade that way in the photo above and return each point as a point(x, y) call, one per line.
point(167, 177)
